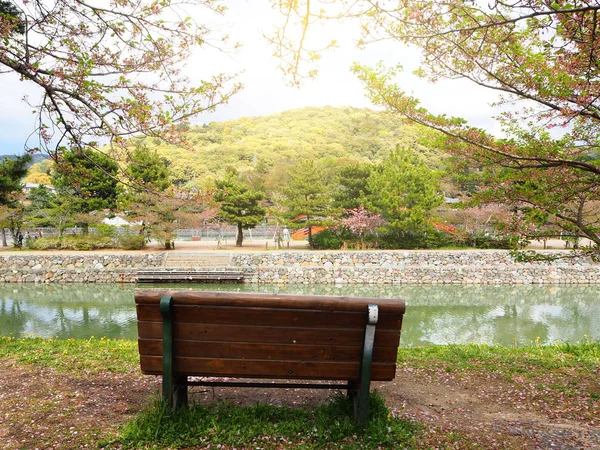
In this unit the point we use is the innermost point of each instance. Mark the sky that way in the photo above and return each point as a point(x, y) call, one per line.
point(265, 90)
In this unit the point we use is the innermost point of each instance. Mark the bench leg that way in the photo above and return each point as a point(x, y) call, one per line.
point(180, 393)
point(174, 388)
point(351, 392)
point(361, 398)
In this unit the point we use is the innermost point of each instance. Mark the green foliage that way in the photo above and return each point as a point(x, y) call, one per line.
point(41, 201)
point(45, 243)
point(405, 191)
point(269, 427)
point(239, 205)
point(395, 238)
point(262, 143)
point(11, 173)
point(106, 238)
point(75, 356)
point(105, 230)
point(307, 194)
point(89, 178)
point(501, 242)
point(11, 14)
point(79, 242)
point(327, 240)
point(146, 172)
point(584, 355)
point(353, 189)
point(130, 241)
point(147, 169)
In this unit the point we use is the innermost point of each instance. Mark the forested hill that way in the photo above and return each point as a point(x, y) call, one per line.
point(281, 139)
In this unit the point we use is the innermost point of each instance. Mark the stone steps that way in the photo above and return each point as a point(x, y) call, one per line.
point(198, 260)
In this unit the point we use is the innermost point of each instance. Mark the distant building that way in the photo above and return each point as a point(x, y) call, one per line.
point(450, 200)
point(116, 221)
point(29, 186)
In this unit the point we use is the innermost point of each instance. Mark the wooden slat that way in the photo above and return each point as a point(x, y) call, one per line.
point(251, 299)
point(152, 365)
point(233, 315)
point(268, 335)
point(282, 335)
point(287, 352)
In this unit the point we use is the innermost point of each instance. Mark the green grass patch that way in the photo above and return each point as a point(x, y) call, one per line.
point(99, 355)
point(528, 361)
point(76, 356)
point(264, 426)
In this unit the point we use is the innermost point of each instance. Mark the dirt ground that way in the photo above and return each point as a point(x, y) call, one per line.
point(41, 409)
point(180, 246)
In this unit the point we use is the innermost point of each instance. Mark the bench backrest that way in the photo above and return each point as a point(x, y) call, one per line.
point(256, 335)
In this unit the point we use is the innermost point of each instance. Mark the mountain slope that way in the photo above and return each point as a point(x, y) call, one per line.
point(264, 142)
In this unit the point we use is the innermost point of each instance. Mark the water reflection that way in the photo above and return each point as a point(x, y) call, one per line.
point(504, 315)
point(67, 311)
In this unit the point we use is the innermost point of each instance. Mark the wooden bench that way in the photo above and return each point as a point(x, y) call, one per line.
point(268, 336)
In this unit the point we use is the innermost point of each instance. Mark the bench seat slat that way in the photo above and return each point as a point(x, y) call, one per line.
point(250, 333)
point(251, 299)
point(288, 352)
point(307, 370)
point(227, 315)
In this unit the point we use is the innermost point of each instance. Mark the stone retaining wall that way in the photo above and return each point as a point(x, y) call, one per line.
point(69, 268)
point(304, 267)
point(412, 267)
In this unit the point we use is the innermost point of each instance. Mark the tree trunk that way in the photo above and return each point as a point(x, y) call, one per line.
point(240, 235)
point(4, 243)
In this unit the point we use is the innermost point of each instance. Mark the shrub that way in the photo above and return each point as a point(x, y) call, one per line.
point(327, 240)
point(393, 239)
point(489, 242)
point(105, 230)
point(45, 243)
point(84, 242)
point(131, 241)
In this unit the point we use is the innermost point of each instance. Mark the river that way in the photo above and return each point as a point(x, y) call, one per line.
point(505, 315)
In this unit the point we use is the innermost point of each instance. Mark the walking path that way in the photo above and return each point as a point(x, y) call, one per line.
point(215, 247)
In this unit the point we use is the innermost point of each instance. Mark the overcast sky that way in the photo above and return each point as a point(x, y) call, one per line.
point(265, 91)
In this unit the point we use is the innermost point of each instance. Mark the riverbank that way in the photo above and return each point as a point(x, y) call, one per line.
point(77, 394)
point(483, 267)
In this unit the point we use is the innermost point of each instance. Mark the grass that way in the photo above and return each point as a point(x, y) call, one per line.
point(265, 426)
point(75, 356)
point(114, 355)
point(529, 360)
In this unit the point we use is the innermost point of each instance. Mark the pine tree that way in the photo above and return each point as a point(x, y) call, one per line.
point(405, 190)
point(308, 194)
point(240, 205)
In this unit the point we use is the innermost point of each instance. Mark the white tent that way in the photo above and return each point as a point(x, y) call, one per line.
point(116, 221)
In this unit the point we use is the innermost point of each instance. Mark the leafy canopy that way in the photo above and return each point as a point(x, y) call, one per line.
point(12, 172)
point(541, 56)
point(89, 178)
point(108, 70)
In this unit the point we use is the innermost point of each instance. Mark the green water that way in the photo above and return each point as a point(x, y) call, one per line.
point(505, 315)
